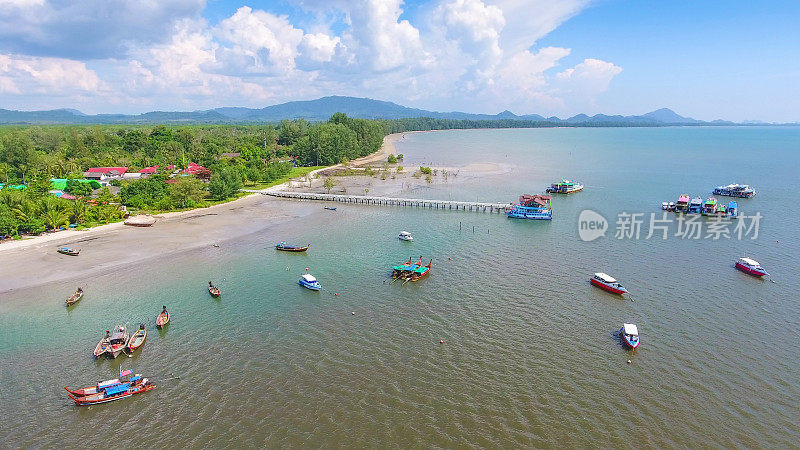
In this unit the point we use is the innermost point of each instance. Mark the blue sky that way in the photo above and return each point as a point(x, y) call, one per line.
point(734, 60)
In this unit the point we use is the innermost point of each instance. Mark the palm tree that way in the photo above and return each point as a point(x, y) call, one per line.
point(79, 211)
point(55, 218)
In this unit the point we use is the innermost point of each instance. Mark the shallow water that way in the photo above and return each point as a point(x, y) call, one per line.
point(530, 354)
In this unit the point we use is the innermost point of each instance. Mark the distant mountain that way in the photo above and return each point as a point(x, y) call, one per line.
point(322, 108)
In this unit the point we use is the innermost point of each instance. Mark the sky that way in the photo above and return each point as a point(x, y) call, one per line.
point(734, 60)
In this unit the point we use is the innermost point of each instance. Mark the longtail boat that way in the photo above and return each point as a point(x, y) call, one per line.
point(119, 340)
point(68, 251)
point(136, 385)
point(213, 290)
point(99, 386)
point(402, 269)
point(137, 339)
point(284, 247)
point(421, 271)
point(72, 299)
point(163, 318)
point(103, 345)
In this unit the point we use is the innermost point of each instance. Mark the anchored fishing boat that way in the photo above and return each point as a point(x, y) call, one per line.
point(722, 210)
point(421, 272)
point(72, 299)
point(103, 345)
point(119, 340)
point(162, 318)
point(309, 282)
point(733, 210)
point(565, 187)
point(404, 270)
point(284, 247)
point(110, 391)
point(405, 236)
point(683, 204)
point(137, 339)
point(68, 251)
point(735, 190)
point(750, 266)
point(710, 206)
point(213, 290)
point(607, 282)
point(695, 206)
point(630, 335)
point(536, 207)
point(98, 387)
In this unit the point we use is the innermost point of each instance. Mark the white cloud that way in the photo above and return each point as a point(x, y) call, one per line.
point(474, 25)
point(581, 84)
point(46, 76)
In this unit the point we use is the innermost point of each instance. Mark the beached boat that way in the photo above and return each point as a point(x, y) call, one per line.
point(421, 272)
point(735, 190)
point(536, 207)
point(683, 204)
point(695, 206)
point(72, 299)
point(330, 208)
point(750, 266)
point(309, 282)
point(565, 187)
point(284, 247)
point(607, 282)
point(163, 318)
point(140, 220)
point(733, 210)
point(405, 236)
point(213, 290)
point(630, 335)
point(137, 339)
point(136, 385)
point(710, 206)
point(103, 345)
point(119, 340)
point(68, 251)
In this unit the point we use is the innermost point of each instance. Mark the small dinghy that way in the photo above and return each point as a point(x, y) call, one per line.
point(608, 283)
point(213, 290)
point(72, 299)
point(68, 251)
point(309, 282)
point(103, 345)
point(750, 266)
point(630, 335)
point(137, 339)
point(284, 247)
point(163, 318)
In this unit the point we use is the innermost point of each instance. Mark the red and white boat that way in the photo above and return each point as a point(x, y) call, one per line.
point(751, 267)
point(607, 282)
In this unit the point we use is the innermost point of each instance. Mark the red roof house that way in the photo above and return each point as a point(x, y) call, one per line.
point(103, 173)
point(149, 170)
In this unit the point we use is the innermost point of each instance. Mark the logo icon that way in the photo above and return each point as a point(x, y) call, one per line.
point(591, 225)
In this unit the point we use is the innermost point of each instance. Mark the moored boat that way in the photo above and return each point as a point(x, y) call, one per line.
point(695, 206)
point(565, 187)
point(119, 340)
point(136, 385)
point(750, 266)
point(405, 236)
point(403, 270)
point(421, 271)
point(72, 299)
point(630, 334)
point(710, 206)
point(137, 339)
point(330, 208)
point(609, 283)
point(722, 210)
point(284, 247)
point(213, 290)
point(683, 203)
point(103, 345)
point(99, 386)
point(309, 282)
point(535, 207)
point(735, 190)
point(733, 210)
point(68, 251)
point(162, 318)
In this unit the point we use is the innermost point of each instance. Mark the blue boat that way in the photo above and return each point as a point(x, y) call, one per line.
point(735, 190)
point(536, 207)
point(733, 210)
point(630, 335)
point(309, 282)
point(695, 206)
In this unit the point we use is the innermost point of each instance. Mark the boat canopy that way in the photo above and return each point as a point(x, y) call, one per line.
point(630, 329)
point(749, 261)
point(405, 233)
point(117, 389)
point(605, 277)
point(136, 378)
point(105, 384)
point(125, 373)
point(309, 278)
point(421, 269)
point(683, 199)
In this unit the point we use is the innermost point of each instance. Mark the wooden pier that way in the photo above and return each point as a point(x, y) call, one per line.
point(389, 201)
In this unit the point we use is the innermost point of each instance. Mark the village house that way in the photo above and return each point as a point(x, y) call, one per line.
point(105, 174)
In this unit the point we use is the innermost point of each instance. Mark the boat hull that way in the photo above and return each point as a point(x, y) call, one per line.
point(608, 288)
point(630, 343)
point(292, 249)
point(97, 399)
point(309, 286)
point(750, 271)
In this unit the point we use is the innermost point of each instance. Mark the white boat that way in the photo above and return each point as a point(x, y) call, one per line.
point(630, 335)
point(405, 236)
point(665, 206)
point(309, 282)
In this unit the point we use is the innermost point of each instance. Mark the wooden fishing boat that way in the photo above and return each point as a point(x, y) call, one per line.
point(103, 345)
point(284, 247)
point(137, 340)
point(403, 269)
point(119, 340)
point(91, 390)
point(136, 385)
point(213, 290)
point(72, 299)
point(68, 251)
point(163, 318)
point(421, 272)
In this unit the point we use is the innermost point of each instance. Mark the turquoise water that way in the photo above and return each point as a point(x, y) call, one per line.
point(530, 354)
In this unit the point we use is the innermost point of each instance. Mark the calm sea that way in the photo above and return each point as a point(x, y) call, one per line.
point(531, 356)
